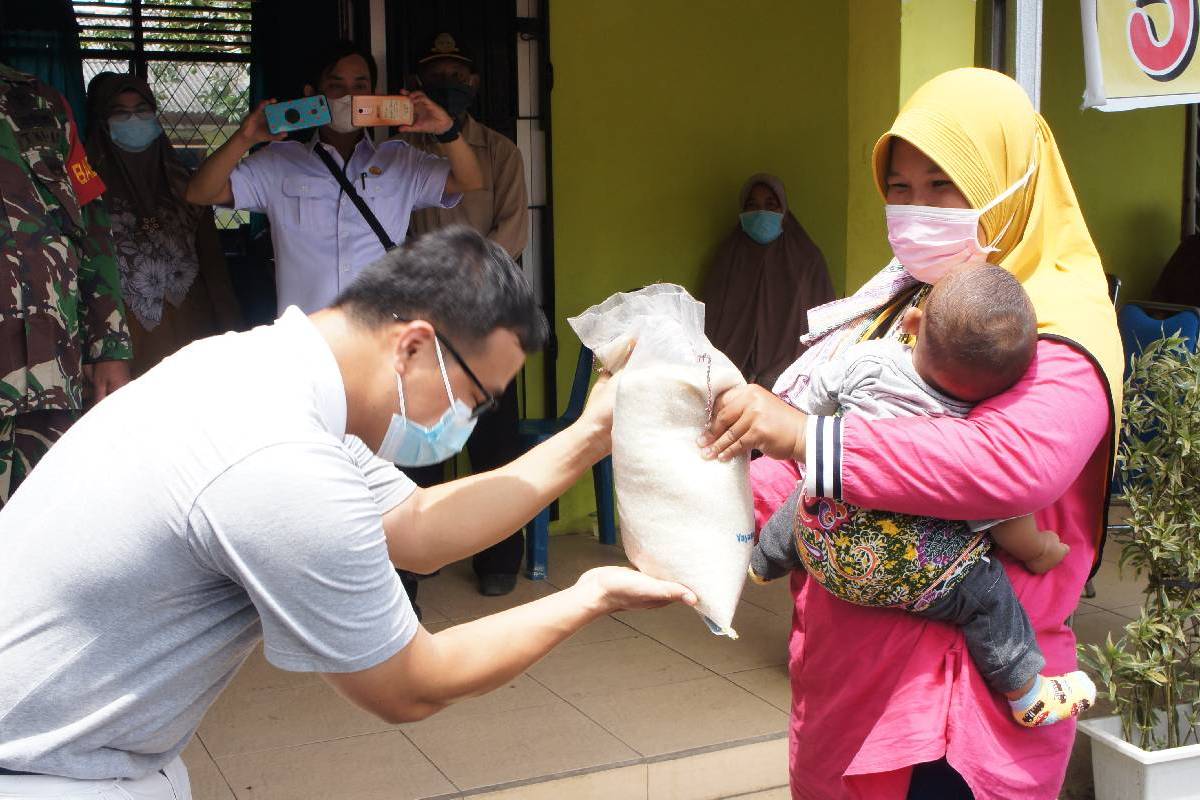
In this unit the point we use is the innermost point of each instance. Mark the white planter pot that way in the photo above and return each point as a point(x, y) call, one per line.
point(1123, 771)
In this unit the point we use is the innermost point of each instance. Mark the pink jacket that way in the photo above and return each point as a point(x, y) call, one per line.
point(875, 691)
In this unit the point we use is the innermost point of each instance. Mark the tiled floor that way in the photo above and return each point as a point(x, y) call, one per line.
point(637, 705)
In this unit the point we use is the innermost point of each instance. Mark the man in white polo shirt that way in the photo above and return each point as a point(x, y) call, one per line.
point(321, 239)
point(230, 496)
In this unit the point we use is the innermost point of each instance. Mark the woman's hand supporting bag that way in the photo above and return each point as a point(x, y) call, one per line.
point(749, 418)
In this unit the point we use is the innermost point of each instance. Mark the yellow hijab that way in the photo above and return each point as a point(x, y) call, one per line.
point(979, 126)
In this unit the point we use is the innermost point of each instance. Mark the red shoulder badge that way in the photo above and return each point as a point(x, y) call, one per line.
point(84, 180)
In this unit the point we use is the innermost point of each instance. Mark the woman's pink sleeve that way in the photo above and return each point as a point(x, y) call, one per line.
point(1014, 454)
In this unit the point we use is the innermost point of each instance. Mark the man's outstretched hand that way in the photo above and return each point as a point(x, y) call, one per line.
point(623, 589)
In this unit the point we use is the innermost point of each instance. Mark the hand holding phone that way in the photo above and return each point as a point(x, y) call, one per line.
point(254, 130)
point(368, 111)
point(428, 116)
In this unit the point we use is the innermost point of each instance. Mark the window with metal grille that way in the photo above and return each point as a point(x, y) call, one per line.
point(195, 54)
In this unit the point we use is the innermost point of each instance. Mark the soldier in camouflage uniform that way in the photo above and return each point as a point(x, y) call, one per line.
point(61, 317)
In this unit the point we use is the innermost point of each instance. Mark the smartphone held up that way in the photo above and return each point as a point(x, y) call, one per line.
point(297, 115)
point(366, 111)
point(371, 110)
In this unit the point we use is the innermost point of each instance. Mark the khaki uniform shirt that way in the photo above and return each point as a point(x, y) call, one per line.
point(500, 210)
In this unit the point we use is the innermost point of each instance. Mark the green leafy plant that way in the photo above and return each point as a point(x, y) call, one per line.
point(1152, 674)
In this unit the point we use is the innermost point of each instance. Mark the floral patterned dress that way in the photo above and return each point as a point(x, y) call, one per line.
point(157, 258)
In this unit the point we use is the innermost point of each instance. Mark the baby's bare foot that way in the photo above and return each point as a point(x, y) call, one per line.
point(1052, 555)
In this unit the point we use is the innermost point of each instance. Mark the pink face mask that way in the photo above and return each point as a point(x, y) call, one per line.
point(930, 242)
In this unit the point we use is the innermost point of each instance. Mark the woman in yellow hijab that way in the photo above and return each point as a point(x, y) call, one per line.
point(885, 705)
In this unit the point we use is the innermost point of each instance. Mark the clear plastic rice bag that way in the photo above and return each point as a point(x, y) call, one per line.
point(682, 518)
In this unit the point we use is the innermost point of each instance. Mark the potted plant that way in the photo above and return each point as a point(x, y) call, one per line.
point(1151, 747)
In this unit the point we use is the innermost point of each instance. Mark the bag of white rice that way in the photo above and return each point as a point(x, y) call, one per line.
point(682, 518)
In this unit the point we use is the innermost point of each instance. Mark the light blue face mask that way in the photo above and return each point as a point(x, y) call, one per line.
point(135, 134)
point(409, 444)
point(763, 227)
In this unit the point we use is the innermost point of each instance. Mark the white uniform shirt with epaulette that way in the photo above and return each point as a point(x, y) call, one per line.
point(321, 240)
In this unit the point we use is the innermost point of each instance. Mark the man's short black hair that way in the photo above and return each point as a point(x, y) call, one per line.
point(463, 284)
point(981, 326)
point(328, 58)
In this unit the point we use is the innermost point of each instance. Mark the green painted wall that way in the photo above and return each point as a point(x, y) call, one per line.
point(873, 86)
point(894, 47)
point(1127, 166)
point(937, 35)
point(661, 110)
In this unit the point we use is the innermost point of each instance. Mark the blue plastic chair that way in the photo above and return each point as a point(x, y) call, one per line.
point(533, 432)
point(1141, 323)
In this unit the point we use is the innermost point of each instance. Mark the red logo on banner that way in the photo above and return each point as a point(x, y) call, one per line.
point(1163, 59)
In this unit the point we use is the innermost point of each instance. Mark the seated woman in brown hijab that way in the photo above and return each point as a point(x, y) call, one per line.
point(173, 275)
point(766, 276)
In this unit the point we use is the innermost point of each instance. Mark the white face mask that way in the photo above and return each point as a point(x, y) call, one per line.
point(930, 241)
point(341, 116)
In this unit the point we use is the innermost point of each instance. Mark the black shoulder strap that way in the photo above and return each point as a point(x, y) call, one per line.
point(359, 203)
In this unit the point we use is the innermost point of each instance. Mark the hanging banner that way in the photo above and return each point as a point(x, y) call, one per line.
point(1140, 53)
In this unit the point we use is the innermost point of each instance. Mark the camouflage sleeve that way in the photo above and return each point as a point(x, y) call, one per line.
point(102, 313)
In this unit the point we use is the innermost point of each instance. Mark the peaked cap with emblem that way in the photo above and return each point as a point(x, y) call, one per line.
point(444, 46)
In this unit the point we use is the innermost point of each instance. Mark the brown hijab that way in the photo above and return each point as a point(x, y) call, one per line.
point(758, 296)
point(174, 279)
point(147, 180)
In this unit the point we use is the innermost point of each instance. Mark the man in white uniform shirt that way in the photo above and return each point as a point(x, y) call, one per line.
point(321, 239)
point(230, 496)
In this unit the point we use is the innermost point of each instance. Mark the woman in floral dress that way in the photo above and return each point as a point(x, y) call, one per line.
point(173, 274)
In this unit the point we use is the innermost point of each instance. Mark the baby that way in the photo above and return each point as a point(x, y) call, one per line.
point(974, 339)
